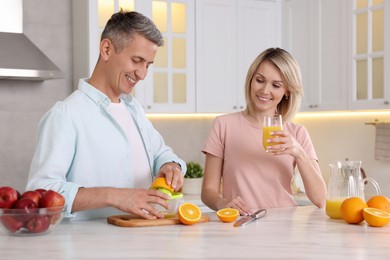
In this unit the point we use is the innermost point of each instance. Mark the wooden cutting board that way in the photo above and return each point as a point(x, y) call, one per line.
point(132, 221)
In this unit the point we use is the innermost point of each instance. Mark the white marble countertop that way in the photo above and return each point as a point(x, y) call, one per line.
point(289, 233)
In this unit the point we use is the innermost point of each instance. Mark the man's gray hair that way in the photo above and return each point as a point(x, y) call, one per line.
point(122, 26)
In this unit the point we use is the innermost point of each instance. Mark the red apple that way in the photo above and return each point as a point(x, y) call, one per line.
point(19, 195)
point(41, 191)
point(8, 196)
point(26, 204)
point(34, 196)
point(38, 224)
point(51, 199)
point(11, 223)
point(26, 207)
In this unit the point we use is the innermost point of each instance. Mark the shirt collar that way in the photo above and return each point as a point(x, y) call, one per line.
point(99, 97)
point(93, 93)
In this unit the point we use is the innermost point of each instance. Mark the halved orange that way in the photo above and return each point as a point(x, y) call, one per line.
point(227, 214)
point(160, 183)
point(189, 213)
point(376, 217)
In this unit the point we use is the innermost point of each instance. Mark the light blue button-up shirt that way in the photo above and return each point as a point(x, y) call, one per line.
point(81, 145)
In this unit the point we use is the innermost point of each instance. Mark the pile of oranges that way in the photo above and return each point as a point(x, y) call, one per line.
point(376, 211)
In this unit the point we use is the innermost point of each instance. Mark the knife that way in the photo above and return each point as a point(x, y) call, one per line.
point(245, 220)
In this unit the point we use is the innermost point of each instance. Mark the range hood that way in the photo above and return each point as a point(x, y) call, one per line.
point(20, 58)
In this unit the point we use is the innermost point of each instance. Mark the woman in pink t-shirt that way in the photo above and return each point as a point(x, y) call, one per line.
point(251, 177)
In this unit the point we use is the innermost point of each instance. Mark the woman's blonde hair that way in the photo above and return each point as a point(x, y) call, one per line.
point(291, 77)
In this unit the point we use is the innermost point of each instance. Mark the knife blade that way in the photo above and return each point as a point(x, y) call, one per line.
point(245, 220)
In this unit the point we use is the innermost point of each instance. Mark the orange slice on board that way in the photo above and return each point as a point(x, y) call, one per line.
point(227, 214)
point(376, 217)
point(189, 213)
point(161, 184)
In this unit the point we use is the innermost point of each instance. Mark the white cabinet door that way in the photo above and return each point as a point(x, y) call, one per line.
point(259, 28)
point(170, 83)
point(170, 86)
point(369, 62)
point(229, 36)
point(216, 58)
point(314, 32)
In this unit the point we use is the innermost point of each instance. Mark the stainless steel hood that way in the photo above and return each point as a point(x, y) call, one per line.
point(20, 59)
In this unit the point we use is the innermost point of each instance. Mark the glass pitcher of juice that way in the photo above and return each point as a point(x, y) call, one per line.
point(345, 181)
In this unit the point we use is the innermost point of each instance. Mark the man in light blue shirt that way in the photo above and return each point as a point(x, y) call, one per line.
point(97, 147)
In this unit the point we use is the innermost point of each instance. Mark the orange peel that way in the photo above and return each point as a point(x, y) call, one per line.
point(160, 183)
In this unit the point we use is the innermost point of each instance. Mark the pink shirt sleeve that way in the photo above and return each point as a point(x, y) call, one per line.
point(215, 143)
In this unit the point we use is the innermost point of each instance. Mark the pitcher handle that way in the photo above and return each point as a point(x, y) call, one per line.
point(376, 185)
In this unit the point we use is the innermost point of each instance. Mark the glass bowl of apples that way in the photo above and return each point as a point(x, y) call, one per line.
point(32, 213)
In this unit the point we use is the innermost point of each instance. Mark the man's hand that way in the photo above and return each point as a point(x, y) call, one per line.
point(139, 202)
point(135, 201)
point(173, 175)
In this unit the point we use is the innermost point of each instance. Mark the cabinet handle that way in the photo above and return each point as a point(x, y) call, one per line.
point(149, 107)
point(386, 102)
point(313, 106)
point(234, 107)
point(241, 107)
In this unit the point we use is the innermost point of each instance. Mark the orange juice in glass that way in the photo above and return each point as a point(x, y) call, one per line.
point(332, 208)
point(270, 124)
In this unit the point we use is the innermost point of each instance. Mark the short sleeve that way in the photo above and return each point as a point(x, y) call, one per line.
point(215, 142)
point(304, 140)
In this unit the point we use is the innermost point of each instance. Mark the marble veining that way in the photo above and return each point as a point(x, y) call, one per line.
point(288, 233)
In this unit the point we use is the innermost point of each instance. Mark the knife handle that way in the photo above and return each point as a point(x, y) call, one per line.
point(259, 214)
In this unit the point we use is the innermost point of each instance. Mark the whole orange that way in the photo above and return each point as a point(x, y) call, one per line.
point(379, 202)
point(351, 210)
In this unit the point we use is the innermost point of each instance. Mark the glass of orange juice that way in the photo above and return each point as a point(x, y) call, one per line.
point(271, 123)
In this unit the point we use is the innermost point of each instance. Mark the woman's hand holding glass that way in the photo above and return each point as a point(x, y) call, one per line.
point(282, 142)
point(275, 139)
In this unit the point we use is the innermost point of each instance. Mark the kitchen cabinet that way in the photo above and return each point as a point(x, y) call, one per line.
point(229, 36)
point(170, 83)
point(322, 36)
point(369, 31)
point(220, 39)
point(314, 32)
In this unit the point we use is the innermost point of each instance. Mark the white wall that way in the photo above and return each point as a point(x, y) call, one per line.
point(340, 137)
